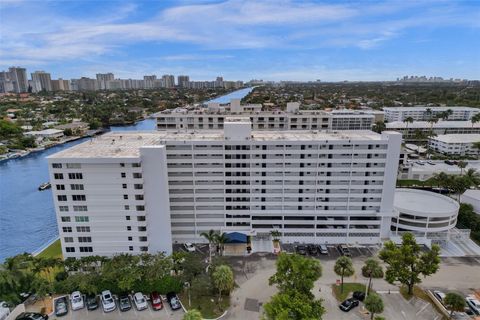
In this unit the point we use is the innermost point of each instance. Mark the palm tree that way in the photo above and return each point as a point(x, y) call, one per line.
point(275, 235)
point(193, 314)
point(408, 120)
point(374, 304)
point(462, 165)
point(220, 240)
point(432, 122)
point(210, 236)
point(223, 280)
point(473, 177)
point(372, 269)
point(379, 126)
point(454, 302)
point(475, 119)
point(344, 268)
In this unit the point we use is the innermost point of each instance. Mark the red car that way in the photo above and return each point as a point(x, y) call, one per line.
point(156, 301)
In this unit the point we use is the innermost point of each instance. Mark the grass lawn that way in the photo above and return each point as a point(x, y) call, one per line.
point(347, 289)
point(205, 305)
point(52, 251)
point(417, 292)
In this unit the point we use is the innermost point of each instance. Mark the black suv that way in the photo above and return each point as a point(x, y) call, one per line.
point(312, 249)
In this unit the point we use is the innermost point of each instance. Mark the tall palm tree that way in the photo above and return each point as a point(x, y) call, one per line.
point(220, 240)
point(473, 177)
point(432, 122)
point(475, 119)
point(210, 236)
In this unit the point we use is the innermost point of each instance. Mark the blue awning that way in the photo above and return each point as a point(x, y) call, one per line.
point(236, 237)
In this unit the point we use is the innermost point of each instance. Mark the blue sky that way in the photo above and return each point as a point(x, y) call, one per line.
point(273, 40)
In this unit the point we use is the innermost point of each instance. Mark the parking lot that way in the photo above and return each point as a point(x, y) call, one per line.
point(98, 314)
point(333, 252)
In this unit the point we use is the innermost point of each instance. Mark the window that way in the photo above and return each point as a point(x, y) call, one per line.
point(58, 176)
point(62, 198)
point(75, 176)
point(140, 208)
point(130, 248)
point(83, 229)
point(127, 218)
point(127, 207)
point(141, 218)
point(130, 238)
point(56, 165)
point(63, 208)
point(129, 228)
point(68, 239)
point(81, 219)
point(80, 208)
point(142, 239)
point(65, 219)
point(141, 229)
point(86, 249)
point(138, 186)
point(69, 249)
point(79, 197)
point(84, 239)
point(137, 175)
point(67, 229)
point(123, 174)
point(136, 165)
point(125, 196)
point(122, 165)
point(73, 165)
point(60, 186)
point(144, 249)
point(139, 197)
point(124, 186)
point(76, 186)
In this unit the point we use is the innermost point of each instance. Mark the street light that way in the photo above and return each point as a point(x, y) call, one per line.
point(187, 285)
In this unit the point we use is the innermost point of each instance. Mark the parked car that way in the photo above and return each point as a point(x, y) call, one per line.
point(431, 163)
point(359, 295)
point(301, 250)
point(92, 302)
point(31, 316)
point(124, 302)
point(439, 295)
point(323, 249)
point(76, 300)
point(108, 303)
point(61, 306)
point(156, 301)
point(349, 304)
point(473, 303)
point(344, 251)
point(312, 249)
point(189, 247)
point(140, 301)
point(173, 301)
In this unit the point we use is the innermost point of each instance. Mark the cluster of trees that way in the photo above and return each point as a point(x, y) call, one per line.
point(121, 273)
point(12, 134)
point(468, 219)
point(457, 184)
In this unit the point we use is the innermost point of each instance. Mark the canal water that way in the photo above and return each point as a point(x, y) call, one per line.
point(27, 216)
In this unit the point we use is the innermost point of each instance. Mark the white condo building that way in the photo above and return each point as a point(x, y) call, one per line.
point(455, 144)
point(424, 113)
point(214, 116)
point(140, 192)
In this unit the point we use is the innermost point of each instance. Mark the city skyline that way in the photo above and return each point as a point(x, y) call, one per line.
point(243, 40)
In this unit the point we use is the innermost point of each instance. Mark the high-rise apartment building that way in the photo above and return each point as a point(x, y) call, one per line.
point(42, 81)
point(168, 81)
point(103, 78)
point(19, 79)
point(149, 81)
point(424, 113)
point(183, 81)
point(61, 85)
point(140, 192)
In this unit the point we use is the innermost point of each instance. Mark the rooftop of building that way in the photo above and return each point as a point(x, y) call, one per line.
point(127, 144)
point(424, 202)
point(458, 138)
point(424, 108)
point(426, 124)
point(472, 193)
point(434, 166)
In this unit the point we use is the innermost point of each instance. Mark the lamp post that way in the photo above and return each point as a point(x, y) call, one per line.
point(187, 285)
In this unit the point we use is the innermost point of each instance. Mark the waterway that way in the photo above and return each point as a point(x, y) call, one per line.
point(27, 216)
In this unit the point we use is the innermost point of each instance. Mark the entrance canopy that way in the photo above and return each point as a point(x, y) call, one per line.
point(236, 237)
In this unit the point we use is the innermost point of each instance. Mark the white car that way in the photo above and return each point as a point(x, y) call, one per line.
point(473, 303)
point(189, 247)
point(439, 295)
point(76, 300)
point(108, 303)
point(140, 301)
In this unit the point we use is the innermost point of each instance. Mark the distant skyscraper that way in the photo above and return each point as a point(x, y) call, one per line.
point(42, 80)
point(149, 81)
point(182, 81)
point(168, 80)
point(219, 82)
point(61, 85)
point(102, 79)
point(19, 79)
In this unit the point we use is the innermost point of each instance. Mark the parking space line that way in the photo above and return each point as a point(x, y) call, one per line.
point(423, 308)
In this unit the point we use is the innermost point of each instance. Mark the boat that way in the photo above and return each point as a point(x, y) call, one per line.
point(44, 186)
